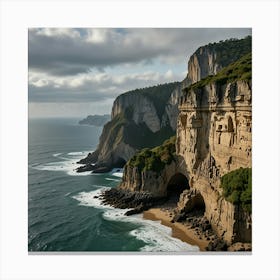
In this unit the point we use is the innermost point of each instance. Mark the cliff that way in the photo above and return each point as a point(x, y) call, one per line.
point(214, 137)
point(207, 60)
point(146, 117)
point(96, 120)
point(136, 122)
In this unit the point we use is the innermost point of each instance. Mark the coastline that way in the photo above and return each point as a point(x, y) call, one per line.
point(181, 231)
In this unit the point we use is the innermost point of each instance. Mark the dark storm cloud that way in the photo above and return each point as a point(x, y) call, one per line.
point(62, 55)
point(72, 51)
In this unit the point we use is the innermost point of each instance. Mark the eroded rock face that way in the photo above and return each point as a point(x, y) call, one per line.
point(148, 181)
point(214, 136)
point(143, 110)
point(203, 63)
point(171, 109)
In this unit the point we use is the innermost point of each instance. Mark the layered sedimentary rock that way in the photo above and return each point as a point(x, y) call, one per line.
point(214, 136)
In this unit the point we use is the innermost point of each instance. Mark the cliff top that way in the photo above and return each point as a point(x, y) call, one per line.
point(239, 70)
point(158, 94)
point(229, 50)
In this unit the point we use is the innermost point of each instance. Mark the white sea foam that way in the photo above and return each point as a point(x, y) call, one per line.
point(118, 172)
point(157, 236)
point(159, 239)
point(67, 164)
point(89, 199)
point(76, 153)
point(56, 155)
point(111, 179)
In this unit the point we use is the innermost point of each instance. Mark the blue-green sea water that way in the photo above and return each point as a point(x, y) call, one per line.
point(63, 211)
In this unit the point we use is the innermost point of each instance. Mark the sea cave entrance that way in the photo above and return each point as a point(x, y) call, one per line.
point(196, 205)
point(119, 163)
point(176, 185)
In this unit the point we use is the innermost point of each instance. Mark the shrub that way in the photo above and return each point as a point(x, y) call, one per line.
point(237, 187)
point(154, 159)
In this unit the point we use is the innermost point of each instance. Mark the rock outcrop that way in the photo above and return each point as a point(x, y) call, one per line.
point(137, 121)
point(143, 110)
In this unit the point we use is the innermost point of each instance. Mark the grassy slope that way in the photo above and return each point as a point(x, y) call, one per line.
point(230, 50)
point(239, 70)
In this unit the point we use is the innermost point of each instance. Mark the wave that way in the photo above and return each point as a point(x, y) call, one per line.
point(76, 153)
point(111, 179)
point(91, 199)
point(67, 164)
point(157, 237)
point(56, 155)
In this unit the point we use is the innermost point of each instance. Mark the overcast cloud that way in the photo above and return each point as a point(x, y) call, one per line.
point(96, 65)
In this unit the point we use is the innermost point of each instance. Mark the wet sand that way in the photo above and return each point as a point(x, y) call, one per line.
point(181, 231)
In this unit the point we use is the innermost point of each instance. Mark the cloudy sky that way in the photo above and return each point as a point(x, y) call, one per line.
point(76, 72)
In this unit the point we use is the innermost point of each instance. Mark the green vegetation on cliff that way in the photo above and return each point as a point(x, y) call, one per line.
point(154, 159)
point(239, 70)
point(237, 187)
point(230, 50)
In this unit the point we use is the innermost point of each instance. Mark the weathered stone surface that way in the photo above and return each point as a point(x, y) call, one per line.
point(144, 112)
point(214, 136)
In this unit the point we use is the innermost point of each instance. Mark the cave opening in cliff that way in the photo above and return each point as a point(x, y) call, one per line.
point(120, 163)
point(198, 207)
point(176, 185)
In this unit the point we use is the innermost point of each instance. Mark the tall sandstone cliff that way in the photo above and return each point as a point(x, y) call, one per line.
point(214, 137)
point(206, 60)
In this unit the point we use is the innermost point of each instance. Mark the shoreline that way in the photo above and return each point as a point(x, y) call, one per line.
point(184, 232)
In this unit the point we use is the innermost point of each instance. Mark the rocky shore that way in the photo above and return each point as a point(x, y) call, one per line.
point(136, 202)
point(195, 230)
point(192, 227)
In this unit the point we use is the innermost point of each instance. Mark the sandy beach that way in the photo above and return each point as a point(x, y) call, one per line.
point(181, 231)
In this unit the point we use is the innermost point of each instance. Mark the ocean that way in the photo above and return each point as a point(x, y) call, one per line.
point(63, 213)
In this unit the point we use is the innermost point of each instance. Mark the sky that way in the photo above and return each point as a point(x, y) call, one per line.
point(75, 72)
